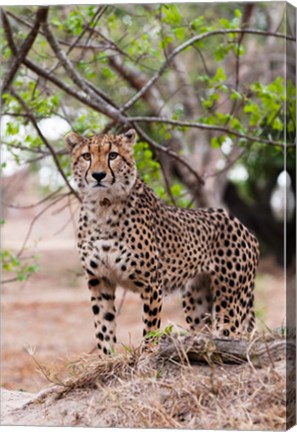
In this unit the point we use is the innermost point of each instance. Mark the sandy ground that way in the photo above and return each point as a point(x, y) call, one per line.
point(50, 315)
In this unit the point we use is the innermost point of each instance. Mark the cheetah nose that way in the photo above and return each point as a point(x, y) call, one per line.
point(99, 176)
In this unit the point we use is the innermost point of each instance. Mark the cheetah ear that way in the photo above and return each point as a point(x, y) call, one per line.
point(72, 139)
point(130, 136)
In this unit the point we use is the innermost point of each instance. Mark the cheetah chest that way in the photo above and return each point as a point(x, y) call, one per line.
point(115, 261)
point(99, 256)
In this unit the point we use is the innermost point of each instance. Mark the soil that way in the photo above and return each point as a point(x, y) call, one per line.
point(181, 382)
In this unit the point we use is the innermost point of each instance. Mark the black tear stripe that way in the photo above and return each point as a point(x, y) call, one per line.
point(125, 160)
point(112, 173)
point(87, 172)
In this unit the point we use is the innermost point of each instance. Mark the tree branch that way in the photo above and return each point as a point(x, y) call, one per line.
point(103, 106)
point(188, 43)
point(36, 217)
point(46, 143)
point(41, 15)
point(207, 127)
point(166, 150)
point(67, 44)
point(100, 11)
point(85, 99)
point(167, 184)
point(156, 104)
point(226, 167)
point(51, 195)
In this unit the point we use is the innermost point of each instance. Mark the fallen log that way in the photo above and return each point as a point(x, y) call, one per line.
point(210, 350)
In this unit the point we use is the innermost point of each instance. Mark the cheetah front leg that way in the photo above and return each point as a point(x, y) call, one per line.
point(102, 298)
point(152, 306)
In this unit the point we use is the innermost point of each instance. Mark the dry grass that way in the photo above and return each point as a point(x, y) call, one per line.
point(146, 389)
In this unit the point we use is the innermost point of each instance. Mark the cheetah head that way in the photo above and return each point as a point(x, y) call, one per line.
point(103, 164)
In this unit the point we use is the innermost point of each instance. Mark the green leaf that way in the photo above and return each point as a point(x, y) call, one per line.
point(220, 75)
point(216, 142)
point(171, 14)
point(224, 23)
point(235, 95)
point(197, 22)
point(239, 50)
point(251, 108)
point(176, 189)
point(223, 88)
point(180, 33)
point(107, 72)
point(235, 123)
point(12, 128)
point(291, 126)
point(211, 120)
point(204, 29)
point(278, 124)
point(223, 118)
point(207, 103)
point(6, 96)
point(166, 41)
point(220, 52)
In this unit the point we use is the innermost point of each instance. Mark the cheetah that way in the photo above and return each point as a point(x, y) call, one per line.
point(128, 237)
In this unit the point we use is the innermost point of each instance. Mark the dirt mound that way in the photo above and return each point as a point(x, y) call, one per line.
point(181, 382)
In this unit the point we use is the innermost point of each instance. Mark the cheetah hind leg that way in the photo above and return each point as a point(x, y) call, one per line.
point(249, 322)
point(197, 301)
point(233, 315)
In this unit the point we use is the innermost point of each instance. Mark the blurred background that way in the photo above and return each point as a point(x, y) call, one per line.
point(209, 89)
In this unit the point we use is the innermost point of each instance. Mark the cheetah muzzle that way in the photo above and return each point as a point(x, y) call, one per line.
point(128, 237)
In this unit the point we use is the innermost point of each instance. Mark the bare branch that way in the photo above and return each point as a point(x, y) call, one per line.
point(12, 114)
point(156, 103)
point(47, 144)
point(36, 217)
point(103, 106)
point(10, 281)
point(248, 9)
point(188, 43)
point(100, 11)
point(93, 105)
point(70, 219)
point(48, 197)
point(207, 127)
point(167, 183)
point(137, 80)
point(24, 148)
point(167, 151)
point(111, 45)
point(85, 99)
point(61, 42)
point(41, 15)
point(226, 167)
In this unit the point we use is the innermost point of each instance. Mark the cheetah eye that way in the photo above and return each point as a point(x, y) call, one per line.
point(113, 155)
point(86, 156)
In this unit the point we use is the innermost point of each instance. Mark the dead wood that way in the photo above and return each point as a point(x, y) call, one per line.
point(210, 350)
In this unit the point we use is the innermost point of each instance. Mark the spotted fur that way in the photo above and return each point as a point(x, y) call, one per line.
point(128, 237)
